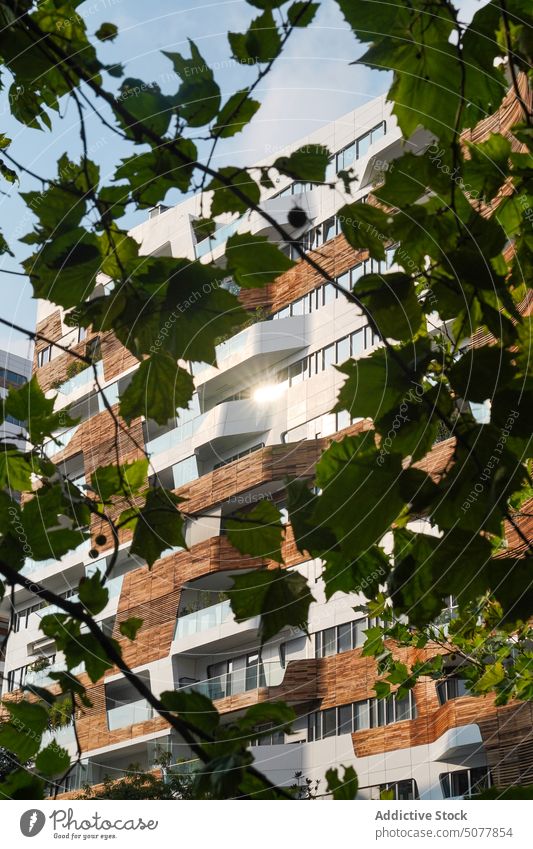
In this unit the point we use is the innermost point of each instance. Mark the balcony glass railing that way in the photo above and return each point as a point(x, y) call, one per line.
point(41, 677)
point(173, 437)
point(114, 585)
point(123, 715)
point(239, 681)
point(202, 620)
point(81, 379)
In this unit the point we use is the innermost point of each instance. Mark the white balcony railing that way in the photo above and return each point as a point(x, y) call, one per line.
point(129, 714)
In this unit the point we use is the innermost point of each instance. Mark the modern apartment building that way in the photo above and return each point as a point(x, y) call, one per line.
point(262, 414)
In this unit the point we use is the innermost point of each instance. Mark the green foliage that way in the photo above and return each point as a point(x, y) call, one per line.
point(253, 261)
point(258, 532)
point(279, 597)
point(158, 526)
point(344, 788)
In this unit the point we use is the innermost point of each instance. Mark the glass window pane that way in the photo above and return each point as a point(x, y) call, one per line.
point(329, 722)
point(318, 644)
point(298, 307)
point(348, 156)
point(329, 642)
point(344, 280)
point(361, 715)
point(343, 349)
point(405, 790)
point(362, 145)
point(284, 313)
point(329, 229)
point(360, 626)
point(381, 712)
point(329, 293)
point(403, 709)
point(329, 356)
point(345, 719)
point(459, 782)
point(357, 340)
point(378, 132)
point(344, 636)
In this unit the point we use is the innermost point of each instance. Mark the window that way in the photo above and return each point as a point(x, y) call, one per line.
point(465, 782)
point(397, 790)
point(451, 688)
point(82, 334)
point(345, 637)
point(328, 356)
point(343, 350)
point(270, 735)
point(44, 356)
point(368, 713)
point(11, 378)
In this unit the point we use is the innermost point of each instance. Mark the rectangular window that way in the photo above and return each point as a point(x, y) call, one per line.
point(296, 372)
point(329, 229)
point(329, 722)
point(329, 644)
point(361, 715)
point(344, 280)
point(44, 356)
point(298, 307)
point(343, 350)
point(345, 722)
point(82, 333)
point(363, 145)
point(330, 293)
point(344, 637)
point(357, 342)
point(328, 356)
point(359, 626)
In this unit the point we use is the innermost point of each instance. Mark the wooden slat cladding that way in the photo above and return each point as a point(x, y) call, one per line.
point(335, 257)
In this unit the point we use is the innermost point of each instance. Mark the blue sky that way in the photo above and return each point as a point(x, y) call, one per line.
point(311, 84)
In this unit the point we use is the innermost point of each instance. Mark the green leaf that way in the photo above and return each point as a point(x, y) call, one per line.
point(258, 532)
point(146, 105)
point(159, 387)
point(382, 689)
point(363, 575)
point(308, 164)
point(224, 199)
point(110, 481)
point(159, 526)
point(277, 713)
point(236, 113)
point(344, 788)
point(28, 716)
point(280, 597)
point(393, 303)
point(106, 32)
point(23, 744)
point(192, 707)
point(486, 169)
point(365, 226)
point(261, 43)
point(493, 675)
point(15, 470)
point(480, 372)
point(21, 784)
point(29, 404)
point(151, 175)
point(92, 594)
point(198, 98)
point(346, 470)
point(300, 14)
point(130, 627)
point(53, 760)
point(253, 261)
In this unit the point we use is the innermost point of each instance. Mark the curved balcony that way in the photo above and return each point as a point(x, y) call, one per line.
point(249, 353)
point(225, 425)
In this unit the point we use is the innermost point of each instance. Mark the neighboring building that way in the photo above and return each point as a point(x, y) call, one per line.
point(14, 372)
point(262, 415)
